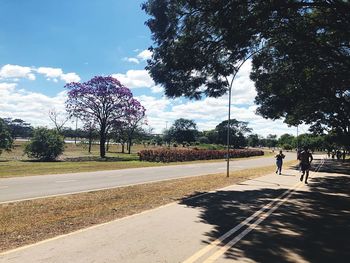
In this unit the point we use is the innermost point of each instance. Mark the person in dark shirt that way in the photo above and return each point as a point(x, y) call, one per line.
point(279, 161)
point(305, 158)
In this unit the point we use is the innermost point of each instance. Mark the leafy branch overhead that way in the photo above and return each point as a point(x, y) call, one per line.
point(300, 52)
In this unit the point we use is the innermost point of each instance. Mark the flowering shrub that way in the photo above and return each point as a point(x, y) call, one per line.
point(182, 155)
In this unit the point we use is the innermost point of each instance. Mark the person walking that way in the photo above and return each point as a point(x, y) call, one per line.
point(279, 161)
point(305, 158)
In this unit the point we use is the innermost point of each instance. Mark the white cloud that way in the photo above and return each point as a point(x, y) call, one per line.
point(33, 107)
point(135, 79)
point(7, 87)
point(50, 72)
point(132, 60)
point(70, 77)
point(15, 71)
point(142, 56)
point(157, 89)
point(55, 73)
point(145, 54)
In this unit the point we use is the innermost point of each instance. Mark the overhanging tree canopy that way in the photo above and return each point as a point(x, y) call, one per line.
point(301, 69)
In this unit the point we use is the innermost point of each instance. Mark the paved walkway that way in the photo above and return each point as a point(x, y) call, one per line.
point(274, 218)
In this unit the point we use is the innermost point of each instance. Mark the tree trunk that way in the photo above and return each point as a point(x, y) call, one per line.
point(122, 147)
point(103, 141)
point(129, 142)
point(108, 144)
point(90, 142)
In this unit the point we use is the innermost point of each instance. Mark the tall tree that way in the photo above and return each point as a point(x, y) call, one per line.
point(271, 140)
point(300, 51)
point(253, 140)
point(135, 114)
point(102, 100)
point(183, 130)
point(91, 133)
point(6, 139)
point(124, 128)
point(238, 130)
point(19, 128)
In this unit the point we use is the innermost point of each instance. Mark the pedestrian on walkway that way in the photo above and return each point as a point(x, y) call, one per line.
point(305, 158)
point(279, 161)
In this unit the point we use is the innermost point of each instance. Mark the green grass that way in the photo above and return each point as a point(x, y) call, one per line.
point(77, 159)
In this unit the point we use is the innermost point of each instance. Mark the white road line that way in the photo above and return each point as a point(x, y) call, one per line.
point(253, 225)
point(66, 181)
point(216, 242)
point(277, 201)
point(231, 166)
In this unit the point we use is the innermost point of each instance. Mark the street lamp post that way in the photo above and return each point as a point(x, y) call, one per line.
point(229, 104)
point(228, 131)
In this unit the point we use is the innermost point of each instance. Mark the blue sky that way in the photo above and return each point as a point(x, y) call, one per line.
point(45, 44)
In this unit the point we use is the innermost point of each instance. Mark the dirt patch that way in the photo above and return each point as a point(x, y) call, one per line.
point(28, 222)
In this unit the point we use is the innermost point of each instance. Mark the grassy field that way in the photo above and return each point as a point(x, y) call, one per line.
point(74, 159)
point(40, 219)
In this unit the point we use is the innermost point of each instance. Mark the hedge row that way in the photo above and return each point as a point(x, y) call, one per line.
point(182, 155)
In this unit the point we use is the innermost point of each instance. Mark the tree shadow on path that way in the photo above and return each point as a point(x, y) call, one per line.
point(312, 226)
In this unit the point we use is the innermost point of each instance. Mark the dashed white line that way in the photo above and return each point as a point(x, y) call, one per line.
point(65, 181)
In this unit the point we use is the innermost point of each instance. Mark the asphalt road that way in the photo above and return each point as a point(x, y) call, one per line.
point(268, 219)
point(31, 187)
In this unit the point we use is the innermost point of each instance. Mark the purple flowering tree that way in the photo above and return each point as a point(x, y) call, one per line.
point(134, 117)
point(101, 100)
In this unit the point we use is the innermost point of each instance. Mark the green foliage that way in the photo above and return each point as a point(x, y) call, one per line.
point(212, 136)
point(238, 129)
point(313, 142)
point(203, 140)
point(300, 53)
point(182, 131)
point(287, 141)
point(19, 128)
point(271, 140)
point(45, 145)
point(6, 139)
point(253, 140)
point(287, 146)
point(305, 78)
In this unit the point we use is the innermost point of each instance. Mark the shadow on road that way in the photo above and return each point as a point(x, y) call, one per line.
point(313, 226)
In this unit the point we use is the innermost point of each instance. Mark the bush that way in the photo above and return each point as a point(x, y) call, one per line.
point(204, 140)
point(287, 147)
point(45, 145)
point(181, 155)
point(5, 137)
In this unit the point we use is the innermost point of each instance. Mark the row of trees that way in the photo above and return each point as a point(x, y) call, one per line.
point(185, 131)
